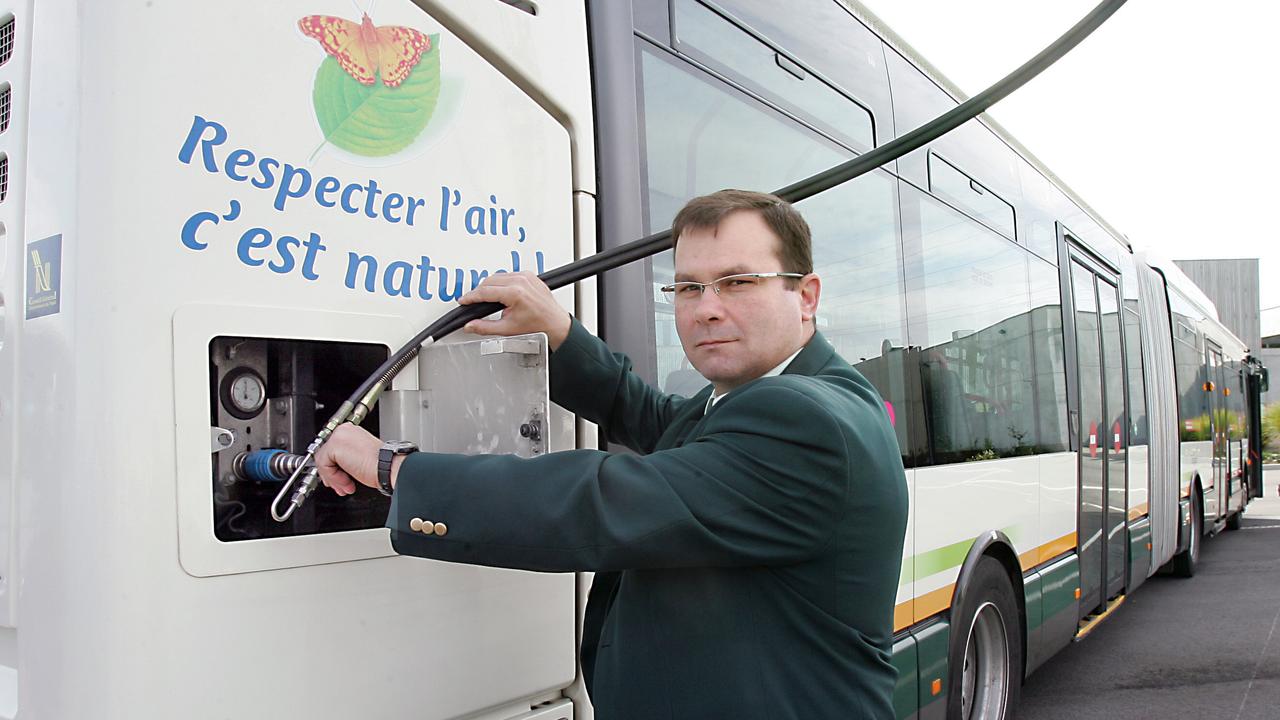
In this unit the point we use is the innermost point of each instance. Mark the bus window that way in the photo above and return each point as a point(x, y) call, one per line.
point(1189, 369)
point(973, 320)
point(951, 184)
point(1139, 433)
point(708, 37)
point(1049, 368)
point(701, 137)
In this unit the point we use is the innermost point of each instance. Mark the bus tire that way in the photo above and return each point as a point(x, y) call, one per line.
point(984, 663)
point(1233, 520)
point(1185, 562)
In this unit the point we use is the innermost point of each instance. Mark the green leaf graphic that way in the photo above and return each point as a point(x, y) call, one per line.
point(376, 120)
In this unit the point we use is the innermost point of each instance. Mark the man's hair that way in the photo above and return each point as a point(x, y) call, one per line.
point(795, 249)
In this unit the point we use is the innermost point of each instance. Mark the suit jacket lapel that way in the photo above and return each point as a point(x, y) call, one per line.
point(683, 424)
point(815, 355)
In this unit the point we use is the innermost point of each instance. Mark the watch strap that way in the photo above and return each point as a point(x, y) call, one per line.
point(386, 454)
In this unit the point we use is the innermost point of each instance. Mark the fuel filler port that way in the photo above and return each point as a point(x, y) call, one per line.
point(268, 400)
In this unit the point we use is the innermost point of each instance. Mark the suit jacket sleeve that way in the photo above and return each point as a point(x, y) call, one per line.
point(761, 485)
point(588, 379)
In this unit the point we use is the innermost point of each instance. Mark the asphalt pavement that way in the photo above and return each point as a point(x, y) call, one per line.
point(1204, 647)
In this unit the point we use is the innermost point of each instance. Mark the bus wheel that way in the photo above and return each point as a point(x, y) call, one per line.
point(1233, 520)
point(1184, 563)
point(985, 660)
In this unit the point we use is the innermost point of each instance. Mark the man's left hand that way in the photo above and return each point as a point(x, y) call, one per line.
point(350, 456)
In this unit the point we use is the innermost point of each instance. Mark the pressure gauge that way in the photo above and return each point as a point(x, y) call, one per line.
point(243, 393)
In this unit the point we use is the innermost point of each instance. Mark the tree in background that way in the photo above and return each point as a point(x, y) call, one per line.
point(1270, 426)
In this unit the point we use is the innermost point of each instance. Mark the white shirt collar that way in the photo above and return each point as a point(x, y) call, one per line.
point(711, 401)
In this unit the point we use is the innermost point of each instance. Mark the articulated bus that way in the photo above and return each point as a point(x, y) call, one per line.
point(216, 219)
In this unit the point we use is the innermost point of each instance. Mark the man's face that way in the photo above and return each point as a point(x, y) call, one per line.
point(735, 338)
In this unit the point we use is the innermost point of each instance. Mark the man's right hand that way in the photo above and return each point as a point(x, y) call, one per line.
point(529, 305)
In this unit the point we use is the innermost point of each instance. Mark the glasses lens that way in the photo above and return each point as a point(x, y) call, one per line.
point(738, 284)
point(682, 292)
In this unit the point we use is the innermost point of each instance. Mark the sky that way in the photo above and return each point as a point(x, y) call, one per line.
point(1160, 120)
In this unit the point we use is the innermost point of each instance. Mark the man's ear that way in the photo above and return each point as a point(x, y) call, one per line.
point(810, 289)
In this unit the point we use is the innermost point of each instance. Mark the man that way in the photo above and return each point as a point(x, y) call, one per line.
point(747, 561)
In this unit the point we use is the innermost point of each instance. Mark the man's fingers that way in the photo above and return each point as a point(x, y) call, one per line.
point(487, 327)
point(334, 476)
point(488, 293)
point(502, 288)
point(338, 479)
point(528, 307)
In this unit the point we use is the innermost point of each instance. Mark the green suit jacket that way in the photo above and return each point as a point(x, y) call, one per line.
point(747, 559)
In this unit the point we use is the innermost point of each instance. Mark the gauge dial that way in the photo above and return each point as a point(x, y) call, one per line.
point(243, 393)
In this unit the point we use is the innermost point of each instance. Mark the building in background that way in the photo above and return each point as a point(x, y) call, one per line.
point(1234, 287)
point(1270, 352)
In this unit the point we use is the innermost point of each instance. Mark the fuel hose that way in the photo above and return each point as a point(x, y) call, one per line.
point(361, 402)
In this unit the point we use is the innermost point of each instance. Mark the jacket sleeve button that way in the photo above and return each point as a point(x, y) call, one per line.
point(415, 524)
point(441, 529)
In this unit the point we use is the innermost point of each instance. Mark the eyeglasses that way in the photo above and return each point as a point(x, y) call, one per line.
point(726, 287)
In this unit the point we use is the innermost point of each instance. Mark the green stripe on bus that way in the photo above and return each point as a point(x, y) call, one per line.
point(919, 567)
point(923, 565)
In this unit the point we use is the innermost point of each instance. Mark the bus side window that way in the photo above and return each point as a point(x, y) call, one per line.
point(986, 316)
point(711, 38)
point(700, 136)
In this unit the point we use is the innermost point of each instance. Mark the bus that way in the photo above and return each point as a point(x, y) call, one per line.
point(216, 220)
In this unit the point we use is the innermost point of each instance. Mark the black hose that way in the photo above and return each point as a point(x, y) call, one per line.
point(825, 180)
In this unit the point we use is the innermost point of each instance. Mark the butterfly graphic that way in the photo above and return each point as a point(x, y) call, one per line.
point(391, 50)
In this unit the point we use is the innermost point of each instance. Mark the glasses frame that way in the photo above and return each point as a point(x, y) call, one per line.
point(671, 290)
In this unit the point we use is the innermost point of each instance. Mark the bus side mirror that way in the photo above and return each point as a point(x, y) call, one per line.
point(1265, 380)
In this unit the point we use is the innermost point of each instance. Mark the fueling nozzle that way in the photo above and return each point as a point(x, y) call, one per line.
point(311, 478)
point(353, 410)
point(310, 481)
point(275, 466)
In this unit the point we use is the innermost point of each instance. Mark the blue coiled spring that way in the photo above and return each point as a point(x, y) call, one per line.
point(267, 466)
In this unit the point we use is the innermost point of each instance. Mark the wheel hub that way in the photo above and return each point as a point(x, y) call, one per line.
point(984, 684)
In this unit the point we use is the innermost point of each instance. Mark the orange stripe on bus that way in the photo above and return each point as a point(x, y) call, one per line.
point(1030, 558)
point(919, 608)
point(932, 603)
point(906, 614)
point(1054, 548)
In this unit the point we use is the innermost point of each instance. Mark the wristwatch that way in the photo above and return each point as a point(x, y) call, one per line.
point(388, 451)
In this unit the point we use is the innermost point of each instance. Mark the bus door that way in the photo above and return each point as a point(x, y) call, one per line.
point(1215, 383)
point(1101, 419)
point(1255, 385)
